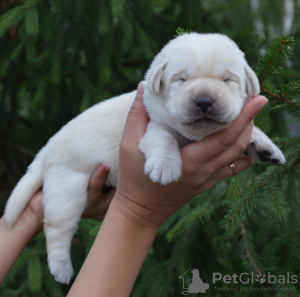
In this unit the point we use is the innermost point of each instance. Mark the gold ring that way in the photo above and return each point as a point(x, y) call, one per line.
point(234, 171)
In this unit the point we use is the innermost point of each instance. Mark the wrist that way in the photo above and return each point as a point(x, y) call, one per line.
point(14, 240)
point(139, 213)
point(119, 250)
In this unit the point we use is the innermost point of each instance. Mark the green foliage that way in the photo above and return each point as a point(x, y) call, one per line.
point(60, 57)
point(18, 13)
point(180, 31)
point(32, 22)
point(276, 55)
point(34, 274)
point(270, 64)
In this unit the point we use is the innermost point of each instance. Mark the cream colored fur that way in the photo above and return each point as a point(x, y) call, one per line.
point(189, 67)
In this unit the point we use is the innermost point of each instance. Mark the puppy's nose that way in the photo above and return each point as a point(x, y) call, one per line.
point(204, 104)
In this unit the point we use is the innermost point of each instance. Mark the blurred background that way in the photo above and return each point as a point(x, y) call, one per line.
point(57, 58)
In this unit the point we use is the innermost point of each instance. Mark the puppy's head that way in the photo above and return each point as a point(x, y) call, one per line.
point(199, 83)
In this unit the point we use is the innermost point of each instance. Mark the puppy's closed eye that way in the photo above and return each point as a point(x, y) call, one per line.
point(179, 78)
point(230, 79)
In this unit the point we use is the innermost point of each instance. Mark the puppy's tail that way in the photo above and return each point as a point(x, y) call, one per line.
point(24, 190)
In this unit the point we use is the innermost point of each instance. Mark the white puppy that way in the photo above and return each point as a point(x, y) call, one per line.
point(195, 86)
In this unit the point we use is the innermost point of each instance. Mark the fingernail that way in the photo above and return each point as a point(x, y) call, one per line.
point(140, 89)
point(101, 169)
point(263, 102)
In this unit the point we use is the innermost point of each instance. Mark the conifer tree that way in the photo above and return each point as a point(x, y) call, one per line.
point(59, 57)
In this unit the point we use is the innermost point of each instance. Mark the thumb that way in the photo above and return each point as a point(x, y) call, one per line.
point(97, 182)
point(137, 118)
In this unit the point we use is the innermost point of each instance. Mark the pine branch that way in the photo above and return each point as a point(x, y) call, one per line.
point(176, 256)
point(34, 274)
point(248, 197)
point(293, 202)
point(15, 292)
point(54, 289)
point(16, 14)
point(276, 202)
point(200, 213)
point(181, 31)
point(273, 59)
point(275, 56)
point(282, 97)
point(32, 22)
point(242, 207)
point(117, 8)
point(248, 252)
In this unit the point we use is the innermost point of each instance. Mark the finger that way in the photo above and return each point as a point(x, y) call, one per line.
point(137, 118)
point(99, 209)
point(97, 182)
point(239, 165)
point(107, 200)
point(36, 203)
point(235, 151)
point(216, 143)
point(229, 136)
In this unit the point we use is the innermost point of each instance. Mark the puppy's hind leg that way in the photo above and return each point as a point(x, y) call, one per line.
point(64, 201)
point(262, 148)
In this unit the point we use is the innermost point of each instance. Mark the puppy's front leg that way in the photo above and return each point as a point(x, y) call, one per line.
point(163, 160)
point(262, 148)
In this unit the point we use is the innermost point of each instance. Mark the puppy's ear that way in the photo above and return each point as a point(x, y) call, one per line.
point(252, 83)
point(156, 78)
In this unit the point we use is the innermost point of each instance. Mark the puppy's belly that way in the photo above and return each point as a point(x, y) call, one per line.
point(91, 138)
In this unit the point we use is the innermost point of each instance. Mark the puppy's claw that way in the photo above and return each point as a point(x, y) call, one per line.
point(272, 155)
point(275, 161)
point(268, 152)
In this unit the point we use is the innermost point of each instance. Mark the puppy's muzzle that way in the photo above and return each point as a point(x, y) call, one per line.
point(204, 104)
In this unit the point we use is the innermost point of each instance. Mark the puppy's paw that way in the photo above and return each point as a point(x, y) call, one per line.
point(266, 151)
point(62, 271)
point(163, 170)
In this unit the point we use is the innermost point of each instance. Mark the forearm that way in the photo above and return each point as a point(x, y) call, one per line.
point(14, 241)
point(116, 257)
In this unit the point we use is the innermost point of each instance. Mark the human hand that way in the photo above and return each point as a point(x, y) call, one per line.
point(149, 204)
point(99, 198)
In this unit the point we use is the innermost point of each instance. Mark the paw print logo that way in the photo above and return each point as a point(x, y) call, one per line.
point(260, 278)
